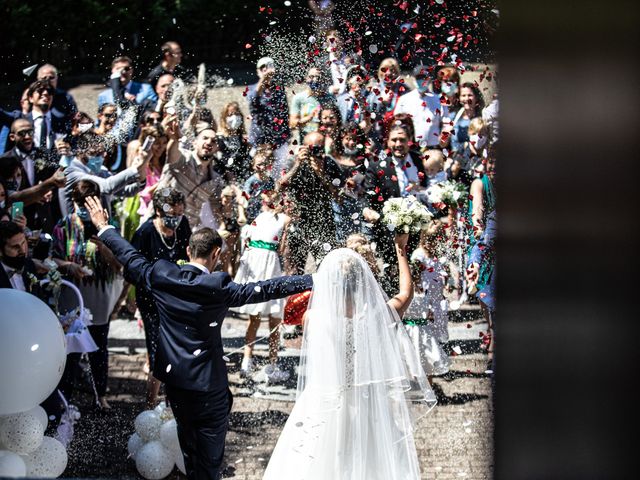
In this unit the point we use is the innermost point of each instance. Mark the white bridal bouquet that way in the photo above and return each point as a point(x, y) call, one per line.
point(405, 214)
point(449, 193)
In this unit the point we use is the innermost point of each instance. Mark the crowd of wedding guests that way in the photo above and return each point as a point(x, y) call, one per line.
point(292, 176)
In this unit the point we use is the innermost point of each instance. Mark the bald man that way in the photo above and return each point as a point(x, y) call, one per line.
point(171, 59)
point(63, 106)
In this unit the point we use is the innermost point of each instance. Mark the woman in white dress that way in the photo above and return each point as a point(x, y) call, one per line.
point(360, 384)
point(261, 261)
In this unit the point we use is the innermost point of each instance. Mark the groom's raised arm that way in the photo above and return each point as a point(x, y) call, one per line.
point(238, 294)
point(136, 266)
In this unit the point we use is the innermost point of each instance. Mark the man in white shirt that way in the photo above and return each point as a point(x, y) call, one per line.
point(46, 128)
point(193, 173)
point(425, 109)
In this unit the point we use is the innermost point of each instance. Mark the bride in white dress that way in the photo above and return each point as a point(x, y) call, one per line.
point(360, 383)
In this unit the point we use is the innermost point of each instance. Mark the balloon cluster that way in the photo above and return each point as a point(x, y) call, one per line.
point(154, 446)
point(25, 451)
point(32, 359)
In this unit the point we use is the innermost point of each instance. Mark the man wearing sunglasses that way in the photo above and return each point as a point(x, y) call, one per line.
point(39, 174)
point(47, 127)
point(63, 106)
point(123, 90)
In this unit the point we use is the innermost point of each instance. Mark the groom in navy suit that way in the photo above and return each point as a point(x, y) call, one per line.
point(192, 304)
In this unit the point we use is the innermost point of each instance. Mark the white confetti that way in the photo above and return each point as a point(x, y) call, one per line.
point(312, 39)
point(225, 358)
point(326, 247)
point(488, 372)
point(230, 81)
point(122, 46)
point(34, 347)
point(355, 215)
point(173, 20)
point(260, 459)
point(52, 417)
point(457, 349)
point(439, 2)
point(451, 38)
point(239, 460)
point(29, 70)
point(272, 22)
point(467, 423)
point(213, 324)
point(168, 369)
point(257, 288)
point(417, 10)
point(336, 182)
point(299, 424)
point(287, 3)
point(383, 164)
point(373, 48)
point(367, 33)
point(197, 352)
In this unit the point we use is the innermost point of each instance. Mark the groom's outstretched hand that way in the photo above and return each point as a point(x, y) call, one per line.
point(99, 216)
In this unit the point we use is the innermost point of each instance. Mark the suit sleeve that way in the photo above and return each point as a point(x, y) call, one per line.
point(136, 267)
point(114, 183)
point(256, 292)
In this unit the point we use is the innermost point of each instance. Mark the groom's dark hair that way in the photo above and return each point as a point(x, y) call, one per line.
point(203, 242)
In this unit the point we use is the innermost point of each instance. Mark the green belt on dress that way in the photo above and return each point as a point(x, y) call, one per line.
point(265, 245)
point(415, 322)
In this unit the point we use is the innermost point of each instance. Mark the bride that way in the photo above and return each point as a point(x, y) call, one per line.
point(360, 383)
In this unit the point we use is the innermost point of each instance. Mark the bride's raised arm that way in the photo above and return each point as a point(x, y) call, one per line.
point(400, 302)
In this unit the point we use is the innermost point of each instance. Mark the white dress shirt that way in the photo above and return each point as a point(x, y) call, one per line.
point(38, 119)
point(16, 279)
point(406, 175)
point(427, 114)
point(29, 166)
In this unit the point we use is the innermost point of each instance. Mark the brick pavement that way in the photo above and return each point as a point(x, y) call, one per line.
point(453, 440)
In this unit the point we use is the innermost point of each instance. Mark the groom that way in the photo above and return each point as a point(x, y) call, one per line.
point(192, 303)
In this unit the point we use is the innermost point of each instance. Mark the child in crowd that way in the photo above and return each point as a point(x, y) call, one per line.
point(426, 319)
point(261, 261)
point(233, 219)
point(260, 181)
point(477, 148)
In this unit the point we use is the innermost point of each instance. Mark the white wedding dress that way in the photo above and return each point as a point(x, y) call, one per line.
point(360, 385)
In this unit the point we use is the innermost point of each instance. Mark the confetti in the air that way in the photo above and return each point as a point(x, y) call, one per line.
point(168, 369)
point(29, 70)
point(197, 352)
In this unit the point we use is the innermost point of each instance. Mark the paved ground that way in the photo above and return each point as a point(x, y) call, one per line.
point(454, 440)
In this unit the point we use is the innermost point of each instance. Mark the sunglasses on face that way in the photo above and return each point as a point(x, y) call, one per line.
point(127, 69)
point(41, 91)
point(153, 120)
point(25, 133)
point(110, 115)
point(48, 77)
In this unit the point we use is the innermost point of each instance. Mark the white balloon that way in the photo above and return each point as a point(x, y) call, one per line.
point(160, 408)
point(11, 465)
point(32, 351)
point(48, 460)
point(134, 444)
point(154, 461)
point(169, 435)
point(179, 459)
point(148, 425)
point(41, 415)
point(21, 433)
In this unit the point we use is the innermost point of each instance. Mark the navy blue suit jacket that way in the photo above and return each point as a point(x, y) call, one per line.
point(192, 306)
